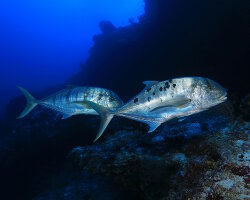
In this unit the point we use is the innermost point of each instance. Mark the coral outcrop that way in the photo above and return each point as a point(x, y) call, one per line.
point(204, 157)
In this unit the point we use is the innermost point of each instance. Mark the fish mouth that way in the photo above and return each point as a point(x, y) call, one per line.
point(223, 97)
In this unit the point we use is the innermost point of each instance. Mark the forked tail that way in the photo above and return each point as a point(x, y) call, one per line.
point(105, 114)
point(31, 102)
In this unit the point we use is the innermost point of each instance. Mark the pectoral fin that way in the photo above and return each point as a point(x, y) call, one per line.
point(177, 102)
point(84, 104)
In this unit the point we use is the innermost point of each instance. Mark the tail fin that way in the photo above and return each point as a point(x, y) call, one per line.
point(31, 102)
point(105, 115)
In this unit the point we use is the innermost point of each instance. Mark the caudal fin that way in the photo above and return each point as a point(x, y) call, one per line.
point(31, 102)
point(105, 115)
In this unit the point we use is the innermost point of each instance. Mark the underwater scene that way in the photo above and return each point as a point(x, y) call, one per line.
point(123, 100)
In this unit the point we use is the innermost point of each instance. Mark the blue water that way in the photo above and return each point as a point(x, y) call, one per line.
point(43, 42)
point(45, 45)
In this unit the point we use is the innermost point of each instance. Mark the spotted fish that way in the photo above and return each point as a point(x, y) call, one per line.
point(69, 101)
point(161, 101)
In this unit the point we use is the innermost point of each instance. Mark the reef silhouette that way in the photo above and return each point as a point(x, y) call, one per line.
point(172, 39)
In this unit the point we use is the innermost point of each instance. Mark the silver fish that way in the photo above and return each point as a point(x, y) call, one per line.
point(69, 101)
point(161, 101)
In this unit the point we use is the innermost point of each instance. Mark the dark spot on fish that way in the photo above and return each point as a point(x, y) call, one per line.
point(174, 85)
point(100, 96)
point(149, 99)
point(167, 85)
point(241, 156)
point(153, 93)
point(148, 89)
point(111, 98)
point(161, 89)
point(135, 100)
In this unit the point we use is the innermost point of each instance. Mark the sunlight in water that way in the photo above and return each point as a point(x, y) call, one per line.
point(43, 42)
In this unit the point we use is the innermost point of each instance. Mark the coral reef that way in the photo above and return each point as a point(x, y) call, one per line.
point(205, 156)
point(213, 163)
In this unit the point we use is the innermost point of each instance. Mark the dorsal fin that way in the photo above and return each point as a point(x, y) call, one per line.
point(150, 83)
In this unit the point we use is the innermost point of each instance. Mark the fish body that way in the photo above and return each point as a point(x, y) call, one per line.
point(69, 101)
point(180, 97)
point(161, 101)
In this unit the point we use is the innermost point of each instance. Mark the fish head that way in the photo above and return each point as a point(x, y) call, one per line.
point(210, 93)
point(216, 92)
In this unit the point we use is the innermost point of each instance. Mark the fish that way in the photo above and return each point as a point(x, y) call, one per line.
point(161, 101)
point(66, 101)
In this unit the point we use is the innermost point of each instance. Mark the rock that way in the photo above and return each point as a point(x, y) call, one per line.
point(239, 143)
point(180, 158)
point(203, 157)
point(227, 184)
point(140, 161)
point(157, 139)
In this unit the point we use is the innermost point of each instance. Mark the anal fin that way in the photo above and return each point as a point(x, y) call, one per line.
point(153, 126)
point(153, 121)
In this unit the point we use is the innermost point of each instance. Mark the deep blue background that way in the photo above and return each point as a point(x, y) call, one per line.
point(43, 42)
